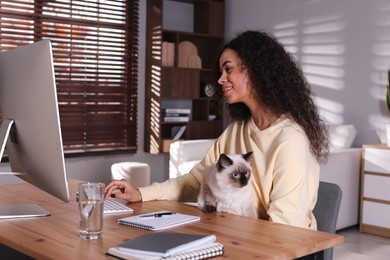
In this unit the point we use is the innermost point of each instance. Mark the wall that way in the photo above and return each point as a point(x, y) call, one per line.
point(343, 47)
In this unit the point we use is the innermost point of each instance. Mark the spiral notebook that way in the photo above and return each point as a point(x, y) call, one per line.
point(158, 220)
point(168, 245)
point(202, 252)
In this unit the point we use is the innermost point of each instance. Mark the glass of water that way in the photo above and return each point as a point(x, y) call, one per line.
point(90, 198)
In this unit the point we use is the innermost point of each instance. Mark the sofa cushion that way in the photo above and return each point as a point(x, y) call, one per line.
point(184, 154)
point(341, 136)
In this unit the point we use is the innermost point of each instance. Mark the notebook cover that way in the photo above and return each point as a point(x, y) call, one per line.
point(158, 223)
point(202, 252)
point(165, 243)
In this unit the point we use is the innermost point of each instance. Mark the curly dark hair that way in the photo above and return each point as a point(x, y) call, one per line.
point(279, 82)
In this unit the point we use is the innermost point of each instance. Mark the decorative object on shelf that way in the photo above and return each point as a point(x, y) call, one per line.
point(212, 117)
point(208, 90)
point(194, 62)
point(188, 56)
point(178, 131)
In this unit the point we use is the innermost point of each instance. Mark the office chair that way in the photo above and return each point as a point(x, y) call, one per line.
point(136, 172)
point(326, 212)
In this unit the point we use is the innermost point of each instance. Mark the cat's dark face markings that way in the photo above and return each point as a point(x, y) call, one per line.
point(240, 174)
point(240, 178)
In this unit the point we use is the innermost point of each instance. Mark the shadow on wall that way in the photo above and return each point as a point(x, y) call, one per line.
point(327, 58)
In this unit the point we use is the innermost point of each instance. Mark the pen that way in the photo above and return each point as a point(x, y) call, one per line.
point(157, 215)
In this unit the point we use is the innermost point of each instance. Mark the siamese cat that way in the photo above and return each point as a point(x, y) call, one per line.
point(227, 186)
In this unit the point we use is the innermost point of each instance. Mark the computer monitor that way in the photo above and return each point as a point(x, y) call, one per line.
point(31, 129)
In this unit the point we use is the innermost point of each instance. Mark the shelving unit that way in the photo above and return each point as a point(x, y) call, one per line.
point(375, 196)
point(178, 85)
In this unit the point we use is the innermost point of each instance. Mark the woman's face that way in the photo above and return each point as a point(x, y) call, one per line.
point(234, 80)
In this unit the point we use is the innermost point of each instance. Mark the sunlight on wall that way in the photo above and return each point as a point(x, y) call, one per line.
point(318, 46)
point(330, 110)
point(380, 64)
point(287, 33)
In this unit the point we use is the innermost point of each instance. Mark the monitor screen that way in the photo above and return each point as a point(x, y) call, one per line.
point(29, 109)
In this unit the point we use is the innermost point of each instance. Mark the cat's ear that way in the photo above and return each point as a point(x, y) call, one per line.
point(223, 162)
point(247, 156)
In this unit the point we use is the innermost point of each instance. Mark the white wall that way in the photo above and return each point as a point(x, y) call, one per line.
point(343, 47)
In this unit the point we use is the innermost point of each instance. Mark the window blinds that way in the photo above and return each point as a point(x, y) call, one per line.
point(95, 50)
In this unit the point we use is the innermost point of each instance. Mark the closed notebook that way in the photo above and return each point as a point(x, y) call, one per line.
point(202, 252)
point(148, 221)
point(168, 244)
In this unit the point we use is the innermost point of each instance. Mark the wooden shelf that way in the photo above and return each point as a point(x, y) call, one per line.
point(170, 83)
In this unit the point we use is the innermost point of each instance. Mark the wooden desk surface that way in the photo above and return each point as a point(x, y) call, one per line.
point(57, 237)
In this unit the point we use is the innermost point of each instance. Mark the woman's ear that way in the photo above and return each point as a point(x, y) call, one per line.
point(245, 72)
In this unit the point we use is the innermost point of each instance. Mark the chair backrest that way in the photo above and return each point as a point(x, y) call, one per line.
point(327, 209)
point(136, 172)
point(184, 154)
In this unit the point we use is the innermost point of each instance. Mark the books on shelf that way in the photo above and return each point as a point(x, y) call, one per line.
point(168, 245)
point(177, 111)
point(168, 54)
point(176, 118)
point(176, 115)
point(158, 220)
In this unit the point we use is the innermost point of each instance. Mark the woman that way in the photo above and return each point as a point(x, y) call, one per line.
point(273, 114)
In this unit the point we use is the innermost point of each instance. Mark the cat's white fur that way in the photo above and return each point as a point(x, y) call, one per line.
point(222, 190)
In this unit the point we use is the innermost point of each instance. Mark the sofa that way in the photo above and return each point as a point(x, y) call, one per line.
point(342, 167)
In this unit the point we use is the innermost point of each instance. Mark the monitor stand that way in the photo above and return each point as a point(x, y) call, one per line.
point(17, 210)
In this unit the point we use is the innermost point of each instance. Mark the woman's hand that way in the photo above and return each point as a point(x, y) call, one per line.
point(127, 191)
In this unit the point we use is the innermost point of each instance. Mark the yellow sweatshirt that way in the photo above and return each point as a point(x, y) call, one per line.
point(285, 172)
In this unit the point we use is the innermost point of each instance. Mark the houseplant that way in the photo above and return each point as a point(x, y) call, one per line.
point(388, 91)
point(388, 107)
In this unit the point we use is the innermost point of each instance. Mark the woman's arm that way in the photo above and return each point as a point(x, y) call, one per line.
point(183, 188)
point(295, 185)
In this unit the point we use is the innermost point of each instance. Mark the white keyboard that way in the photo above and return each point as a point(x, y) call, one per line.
point(112, 206)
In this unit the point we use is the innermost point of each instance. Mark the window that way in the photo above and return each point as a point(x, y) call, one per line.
point(95, 50)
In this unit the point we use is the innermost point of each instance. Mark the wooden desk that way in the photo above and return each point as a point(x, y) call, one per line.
point(56, 236)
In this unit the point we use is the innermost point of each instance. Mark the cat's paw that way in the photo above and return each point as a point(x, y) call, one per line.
point(209, 209)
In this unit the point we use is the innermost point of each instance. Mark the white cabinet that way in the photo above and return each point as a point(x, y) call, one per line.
point(375, 190)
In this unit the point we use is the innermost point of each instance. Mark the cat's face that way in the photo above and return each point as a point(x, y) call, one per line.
point(234, 170)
